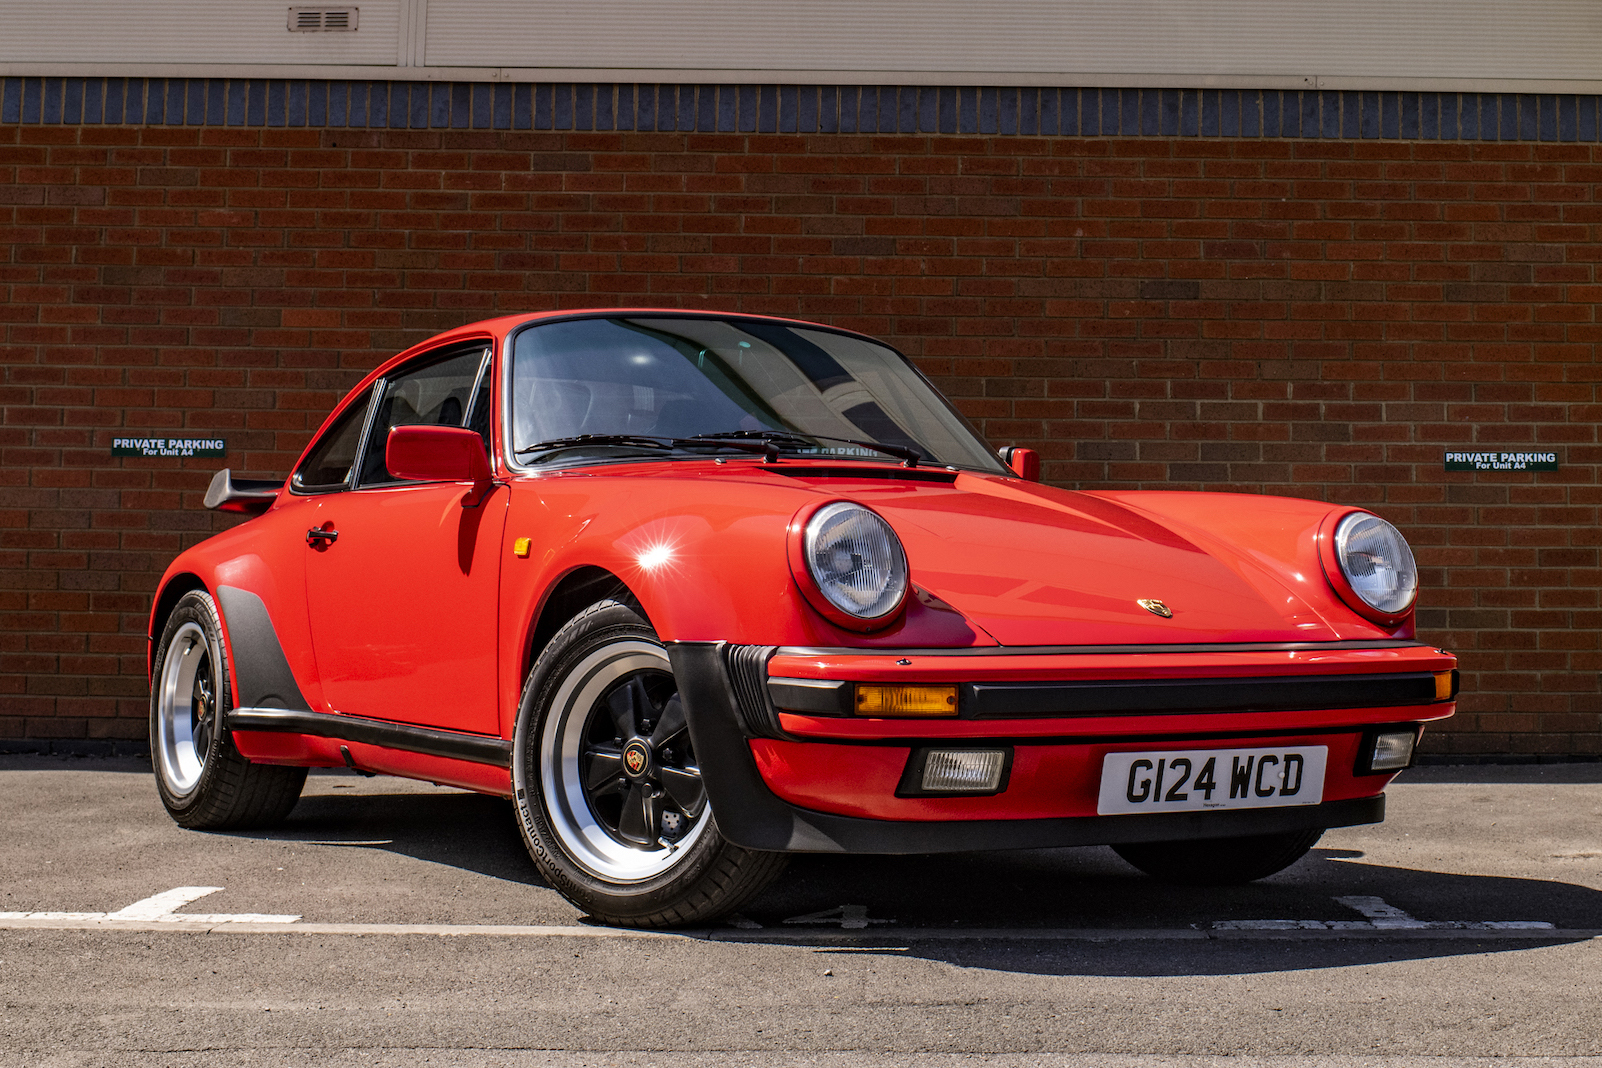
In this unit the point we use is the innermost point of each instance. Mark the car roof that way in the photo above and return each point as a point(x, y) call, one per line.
point(499, 327)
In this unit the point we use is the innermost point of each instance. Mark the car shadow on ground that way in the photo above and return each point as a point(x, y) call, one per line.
point(471, 832)
point(1091, 889)
point(1014, 892)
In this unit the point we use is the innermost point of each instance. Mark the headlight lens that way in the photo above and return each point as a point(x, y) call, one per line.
point(1377, 563)
point(856, 560)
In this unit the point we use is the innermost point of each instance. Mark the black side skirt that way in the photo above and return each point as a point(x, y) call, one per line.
point(751, 815)
point(475, 748)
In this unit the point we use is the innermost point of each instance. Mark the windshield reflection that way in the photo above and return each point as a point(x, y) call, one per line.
point(677, 377)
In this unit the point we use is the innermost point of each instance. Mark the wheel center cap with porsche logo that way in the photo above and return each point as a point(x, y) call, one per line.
point(1155, 607)
point(636, 758)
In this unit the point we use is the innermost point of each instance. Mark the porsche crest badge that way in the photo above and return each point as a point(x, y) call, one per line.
point(1155, 607)
point(635, 758)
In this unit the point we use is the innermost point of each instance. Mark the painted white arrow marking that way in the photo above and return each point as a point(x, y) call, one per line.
point(1381, 916)
point(160, 908)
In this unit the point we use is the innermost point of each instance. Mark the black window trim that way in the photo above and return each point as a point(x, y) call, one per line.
point(374, 390)
point(432, 356)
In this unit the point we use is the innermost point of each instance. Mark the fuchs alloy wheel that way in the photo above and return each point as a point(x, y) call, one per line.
point(204, 782)
point(609, 796)
point(1219, 861)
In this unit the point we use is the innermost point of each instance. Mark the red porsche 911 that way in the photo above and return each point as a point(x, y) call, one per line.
point(698, 591)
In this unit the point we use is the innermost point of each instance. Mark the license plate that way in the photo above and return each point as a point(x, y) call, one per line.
point(1200, 780)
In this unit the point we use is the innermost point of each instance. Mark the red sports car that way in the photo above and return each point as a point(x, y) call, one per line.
point(698, 591)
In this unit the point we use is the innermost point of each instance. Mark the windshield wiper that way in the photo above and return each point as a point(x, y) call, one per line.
point(654, 441)
point(793, 437)
point(595, 439)
point(767, 442)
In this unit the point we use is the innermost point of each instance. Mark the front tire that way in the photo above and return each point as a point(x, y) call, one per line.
point(1220, 861)
point(609, 796)
point(204, 782)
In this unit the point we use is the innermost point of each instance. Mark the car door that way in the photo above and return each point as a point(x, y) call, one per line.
point(401, 577)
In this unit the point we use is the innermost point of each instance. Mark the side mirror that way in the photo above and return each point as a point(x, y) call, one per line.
point(1025, 463)
point(439, 454)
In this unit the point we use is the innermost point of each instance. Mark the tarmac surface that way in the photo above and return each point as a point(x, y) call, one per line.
point(396, 923)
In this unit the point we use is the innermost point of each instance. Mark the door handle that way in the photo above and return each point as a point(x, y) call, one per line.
point(321, 537)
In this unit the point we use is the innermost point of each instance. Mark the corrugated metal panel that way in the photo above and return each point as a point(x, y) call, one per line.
point(1456, 45)
point(78, 32)
point(1468, 39)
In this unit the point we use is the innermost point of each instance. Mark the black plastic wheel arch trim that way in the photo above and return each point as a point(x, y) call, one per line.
point(261, 671)
point(749, 814)
point(473, 748)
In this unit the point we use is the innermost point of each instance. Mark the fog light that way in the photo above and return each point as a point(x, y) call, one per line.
point(964, 770)
point(876, 700)
point(1393, 751)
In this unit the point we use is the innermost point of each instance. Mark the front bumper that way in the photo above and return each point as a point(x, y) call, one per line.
point(825, 782)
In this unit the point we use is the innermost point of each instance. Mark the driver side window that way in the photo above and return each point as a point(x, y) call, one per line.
point(440, 393)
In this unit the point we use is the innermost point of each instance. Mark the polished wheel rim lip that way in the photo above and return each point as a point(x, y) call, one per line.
point(585, 839)
point(184, 722)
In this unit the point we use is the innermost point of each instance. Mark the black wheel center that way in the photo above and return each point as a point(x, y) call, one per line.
point(637, 760)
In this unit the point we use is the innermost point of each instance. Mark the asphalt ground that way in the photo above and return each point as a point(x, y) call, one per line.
point(1465, 927)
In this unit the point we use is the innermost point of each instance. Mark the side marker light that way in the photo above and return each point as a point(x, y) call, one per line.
point(903, 700)
point(520, 548)
point(1443, 685)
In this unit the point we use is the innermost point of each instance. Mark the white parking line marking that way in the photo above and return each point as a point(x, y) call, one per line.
point(1381, 916)
point(158, 908)
point(159, 913)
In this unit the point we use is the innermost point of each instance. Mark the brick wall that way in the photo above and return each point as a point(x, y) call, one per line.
point(1313, 317)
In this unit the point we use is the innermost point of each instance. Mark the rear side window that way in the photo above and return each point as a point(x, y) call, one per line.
point(327, 466)
point(438, 394)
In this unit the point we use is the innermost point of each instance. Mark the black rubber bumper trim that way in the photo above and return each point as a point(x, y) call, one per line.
point(1017, 700)
point(751, 815)
point(474, 748)
point(1112, 650)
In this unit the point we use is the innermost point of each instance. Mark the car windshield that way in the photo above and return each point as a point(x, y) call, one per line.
point(804, 391)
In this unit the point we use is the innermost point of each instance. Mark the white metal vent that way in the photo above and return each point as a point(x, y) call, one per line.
point(322, 19)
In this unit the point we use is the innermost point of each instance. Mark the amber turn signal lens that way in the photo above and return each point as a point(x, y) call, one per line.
point(1443, 685)
point(877, 700)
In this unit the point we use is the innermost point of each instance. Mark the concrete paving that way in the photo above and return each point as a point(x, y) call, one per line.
point(425, 937)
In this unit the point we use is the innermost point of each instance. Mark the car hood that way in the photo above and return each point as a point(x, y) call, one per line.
point(1033, 565)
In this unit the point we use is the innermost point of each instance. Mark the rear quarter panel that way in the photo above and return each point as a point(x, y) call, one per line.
point(265, 556)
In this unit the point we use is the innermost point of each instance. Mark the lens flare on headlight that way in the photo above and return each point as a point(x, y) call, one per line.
point(856, 560)
point(1377, 563)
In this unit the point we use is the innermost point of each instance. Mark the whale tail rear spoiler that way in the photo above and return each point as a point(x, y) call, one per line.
point(252, 496)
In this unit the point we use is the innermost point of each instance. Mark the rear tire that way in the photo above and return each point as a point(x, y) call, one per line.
point(204, 782)
point(608, 793)
point(1219, 861)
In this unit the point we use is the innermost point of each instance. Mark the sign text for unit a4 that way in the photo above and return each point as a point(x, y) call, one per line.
point(1501, 461)
point(169, 447)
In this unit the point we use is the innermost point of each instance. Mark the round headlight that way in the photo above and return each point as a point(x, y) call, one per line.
point(1377, 563)
point(856, 560)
